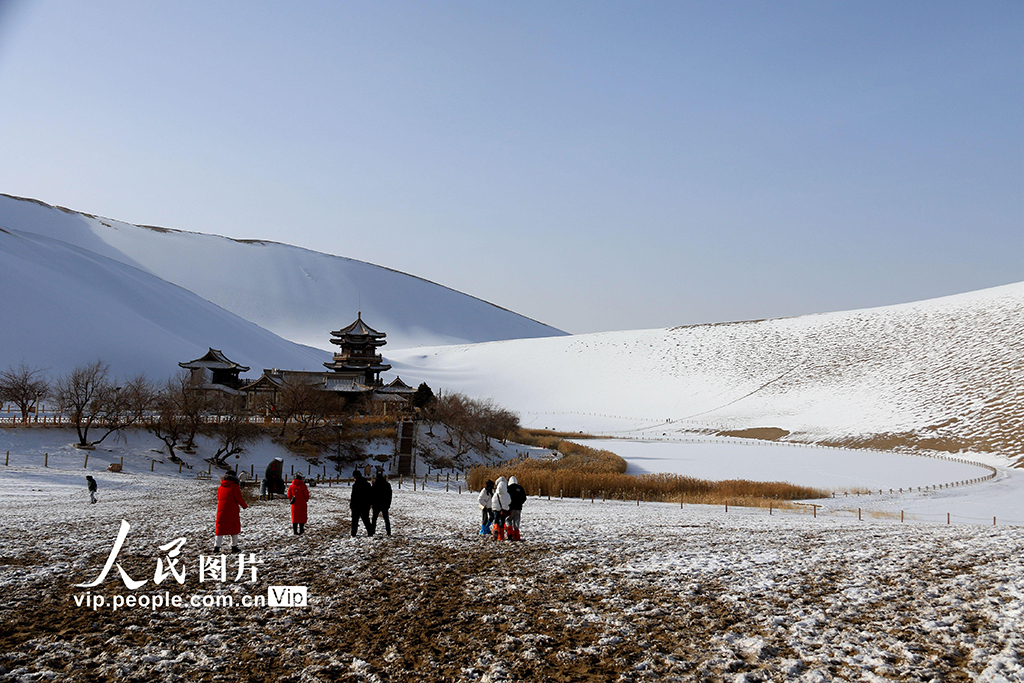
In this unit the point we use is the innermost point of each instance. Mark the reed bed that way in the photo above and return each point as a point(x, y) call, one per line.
point(584, 472)
point(572, 456)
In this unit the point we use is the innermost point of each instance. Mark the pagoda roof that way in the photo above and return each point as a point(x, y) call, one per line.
point(396, 386)
point(215, 360)
point(358, 329)
point(343, 366)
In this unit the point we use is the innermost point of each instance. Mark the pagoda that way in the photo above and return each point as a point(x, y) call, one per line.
point(358, 356)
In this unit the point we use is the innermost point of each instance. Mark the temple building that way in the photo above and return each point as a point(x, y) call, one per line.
point(358, 358)
point(354, 373)
point(215, 372)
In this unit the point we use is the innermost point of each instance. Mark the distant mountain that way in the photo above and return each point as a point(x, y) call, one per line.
point(65, 306)
point(945, 373)
point(296, 293)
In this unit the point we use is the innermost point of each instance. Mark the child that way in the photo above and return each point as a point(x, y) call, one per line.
point(92, 488)
point(298, 495)
point(484, 501)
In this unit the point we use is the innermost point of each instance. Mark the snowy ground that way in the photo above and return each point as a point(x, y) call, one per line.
point(597, 591)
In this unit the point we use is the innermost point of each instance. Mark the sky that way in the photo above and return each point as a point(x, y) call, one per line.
point(593, 165)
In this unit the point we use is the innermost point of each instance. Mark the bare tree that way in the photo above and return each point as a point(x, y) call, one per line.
point(89, 397)
point(80, 395)
point(172, 421)
point(24, 387)
point(302, 401)
point(192, 404)
point(234, 433)
point(499, 423)
point(124, 405)
point(469, 422)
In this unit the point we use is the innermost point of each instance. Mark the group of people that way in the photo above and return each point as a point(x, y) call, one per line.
point(501, 505)
point(365, 498)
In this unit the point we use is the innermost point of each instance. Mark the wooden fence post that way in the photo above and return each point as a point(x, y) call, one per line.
point(46, 459)
point(179, 466)
point(86, 465)
point(7, 458)
point(152, 465)
point(947, 518)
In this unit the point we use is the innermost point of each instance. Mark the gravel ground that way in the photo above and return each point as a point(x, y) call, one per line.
point(596, 591)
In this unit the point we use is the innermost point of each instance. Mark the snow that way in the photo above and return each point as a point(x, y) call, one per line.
point(919, 584)
point(612, 590)
point(68, 307)
point(295, 293)
point(943, 371)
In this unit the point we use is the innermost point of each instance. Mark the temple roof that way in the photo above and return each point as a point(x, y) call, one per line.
point(345, 385)
point(358, 329)
point(215, 360)
point(396, 386)
point(265, 380)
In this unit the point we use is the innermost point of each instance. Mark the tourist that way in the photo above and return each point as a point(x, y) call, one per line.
point(515, 508)
point(499, 507)
point(273, 480)
point(359, 503)
point(380, 502)
point(484, 501)
point(229, 500)
point(91, 483)
point(298, 495)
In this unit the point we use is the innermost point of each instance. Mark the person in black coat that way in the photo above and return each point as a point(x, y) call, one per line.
point(380, 502)
point(92, 488)
point(273, 479)
point(360, 502)
point(515, 509)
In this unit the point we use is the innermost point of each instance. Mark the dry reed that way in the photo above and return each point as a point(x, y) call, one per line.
point(541, 480)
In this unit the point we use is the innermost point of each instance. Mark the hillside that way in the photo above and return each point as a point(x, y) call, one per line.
point(295, 293)
point(65, 306)
point(943, 374)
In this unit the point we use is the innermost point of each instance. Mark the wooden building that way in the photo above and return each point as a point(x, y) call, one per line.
point(215, 372)
point(358, 358)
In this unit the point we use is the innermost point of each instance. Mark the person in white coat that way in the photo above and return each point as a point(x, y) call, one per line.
point(500, 503)
point(484, 501)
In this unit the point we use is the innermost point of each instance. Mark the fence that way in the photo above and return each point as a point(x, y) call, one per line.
point(455, 483)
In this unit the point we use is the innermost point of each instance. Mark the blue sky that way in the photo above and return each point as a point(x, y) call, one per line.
point(594, 165)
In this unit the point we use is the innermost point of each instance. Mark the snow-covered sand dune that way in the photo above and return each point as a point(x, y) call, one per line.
point(65, 306)
point(296, 293)
point(946, 373)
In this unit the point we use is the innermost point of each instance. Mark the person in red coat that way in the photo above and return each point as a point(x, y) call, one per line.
point(298, 495)
point(229, 500)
